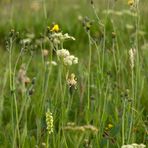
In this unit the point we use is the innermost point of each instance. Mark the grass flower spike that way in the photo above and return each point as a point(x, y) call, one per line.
point(134, 145)
point(49, 121)
point(110, 126)
point(132, 53)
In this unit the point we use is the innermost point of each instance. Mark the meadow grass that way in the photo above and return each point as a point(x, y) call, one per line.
point(94, 94)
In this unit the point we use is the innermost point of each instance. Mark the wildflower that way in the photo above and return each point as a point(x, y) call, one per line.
point(45, 52)
point(63, 53)
point(131, 2)
point(91, 128)
point(83, 128)
point(75, 60)
point(76, 128)
point(49, 121)
point(71, 124)
point(51, 63)
point(72, 81)
point(69, 60)
point(58, 37)
point(87, 143)
point(55, 37)
point(134, 145)
point(110, 126)
point(55, 28)
point(132, 53)
point(26, 41)
point(67, 36)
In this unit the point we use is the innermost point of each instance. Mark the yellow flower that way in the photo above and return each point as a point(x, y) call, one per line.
point(130, 2)
point(55, 28)
point(110, 126)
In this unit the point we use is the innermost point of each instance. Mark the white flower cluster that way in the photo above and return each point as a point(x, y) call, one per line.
point(134, 145)
point(66, 36)
point(67, 58)
point(62, 53)
point(57, 38)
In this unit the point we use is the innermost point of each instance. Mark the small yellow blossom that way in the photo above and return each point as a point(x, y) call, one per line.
point(110, 126)
point(130, 2)
point(55, 28)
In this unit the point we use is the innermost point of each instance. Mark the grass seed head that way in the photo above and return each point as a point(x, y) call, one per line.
point(49, 122)
point(132, 53)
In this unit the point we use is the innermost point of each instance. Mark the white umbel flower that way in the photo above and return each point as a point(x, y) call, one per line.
point(71, 59)
point(58, 38)
point(67, 36)
point(63, 53)
point(75, 60)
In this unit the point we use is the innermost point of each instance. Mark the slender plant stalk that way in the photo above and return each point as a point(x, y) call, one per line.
point(89, 71)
